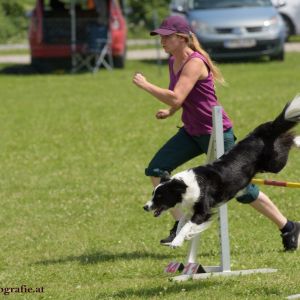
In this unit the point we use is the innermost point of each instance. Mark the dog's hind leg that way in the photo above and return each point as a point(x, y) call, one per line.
point(276, 154)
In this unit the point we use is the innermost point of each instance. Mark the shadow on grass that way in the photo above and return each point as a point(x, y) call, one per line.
point(160, 291)
point(103, 256)
point(18, 70)
point(28, 69)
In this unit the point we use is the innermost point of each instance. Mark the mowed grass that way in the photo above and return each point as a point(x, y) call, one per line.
point(72, 154)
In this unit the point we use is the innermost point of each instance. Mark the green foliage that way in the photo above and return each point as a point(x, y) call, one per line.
point(72, 154)
point(145, 10)
point(7, 28)
point(145, 14)
point(13, 22)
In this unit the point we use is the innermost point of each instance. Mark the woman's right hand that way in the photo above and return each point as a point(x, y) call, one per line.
point(139, 79)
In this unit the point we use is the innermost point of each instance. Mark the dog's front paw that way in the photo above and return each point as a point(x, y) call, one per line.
point(197, 229)
point(177, 242)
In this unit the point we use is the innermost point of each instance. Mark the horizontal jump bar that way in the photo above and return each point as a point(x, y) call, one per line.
point(276, 183)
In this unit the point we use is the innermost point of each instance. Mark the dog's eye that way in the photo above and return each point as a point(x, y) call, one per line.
point(158, 195)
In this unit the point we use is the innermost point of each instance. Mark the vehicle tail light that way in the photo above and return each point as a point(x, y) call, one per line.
point(115, 24)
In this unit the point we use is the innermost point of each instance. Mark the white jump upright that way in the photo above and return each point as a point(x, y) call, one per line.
point(215, 150)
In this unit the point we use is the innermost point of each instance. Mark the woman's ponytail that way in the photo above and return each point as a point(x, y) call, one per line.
point(194, 44)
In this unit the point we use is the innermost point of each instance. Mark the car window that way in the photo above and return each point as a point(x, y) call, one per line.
point(208, 4)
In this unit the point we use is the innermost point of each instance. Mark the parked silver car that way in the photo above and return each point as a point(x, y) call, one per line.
point(290, 11)
point(235, 28)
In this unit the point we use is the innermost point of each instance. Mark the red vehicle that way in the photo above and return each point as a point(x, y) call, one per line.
point(51, 31)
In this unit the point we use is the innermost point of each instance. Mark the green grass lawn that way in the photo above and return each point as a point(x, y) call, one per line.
point(295, 38)
point(72, 154)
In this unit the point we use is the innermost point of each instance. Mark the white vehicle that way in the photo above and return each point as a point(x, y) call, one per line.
point(290, 11)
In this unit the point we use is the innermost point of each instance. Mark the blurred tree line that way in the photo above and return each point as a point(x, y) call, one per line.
point(143, 13)
point(14, 23)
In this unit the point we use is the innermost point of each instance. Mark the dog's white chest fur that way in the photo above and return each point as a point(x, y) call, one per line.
point(186, 229)
point(192, 191)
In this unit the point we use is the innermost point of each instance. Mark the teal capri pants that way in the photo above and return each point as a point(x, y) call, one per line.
point(182, 147)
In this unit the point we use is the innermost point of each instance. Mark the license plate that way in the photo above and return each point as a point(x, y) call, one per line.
point(240, 43)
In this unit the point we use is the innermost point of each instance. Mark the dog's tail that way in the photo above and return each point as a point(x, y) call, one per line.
point(297, 141)
point(289, 117)
point(278, 137)
point(292, 110)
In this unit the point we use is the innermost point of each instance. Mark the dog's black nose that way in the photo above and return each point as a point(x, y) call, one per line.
point(146, 208)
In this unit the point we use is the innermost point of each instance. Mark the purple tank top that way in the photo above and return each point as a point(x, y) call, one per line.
point(197, 107)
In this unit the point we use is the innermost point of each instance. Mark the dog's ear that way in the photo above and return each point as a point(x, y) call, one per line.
point(179, 185)
point(165, 176)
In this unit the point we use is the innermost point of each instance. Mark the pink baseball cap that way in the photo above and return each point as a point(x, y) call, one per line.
point(173, 24)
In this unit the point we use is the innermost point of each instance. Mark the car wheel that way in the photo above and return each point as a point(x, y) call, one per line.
point(119, 61)
point(289, 27)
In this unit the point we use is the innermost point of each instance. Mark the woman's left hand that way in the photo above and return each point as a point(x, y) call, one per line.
point(163, 114)
point(139, 79)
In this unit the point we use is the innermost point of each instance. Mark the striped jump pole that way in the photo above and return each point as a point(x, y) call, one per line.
point(276, 183)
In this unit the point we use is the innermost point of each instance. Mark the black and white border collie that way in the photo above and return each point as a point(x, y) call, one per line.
point(203, 188)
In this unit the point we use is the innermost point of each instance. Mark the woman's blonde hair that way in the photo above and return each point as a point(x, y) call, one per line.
point(194, 44)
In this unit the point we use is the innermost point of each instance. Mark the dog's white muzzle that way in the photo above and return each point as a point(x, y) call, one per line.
point(148, 206)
